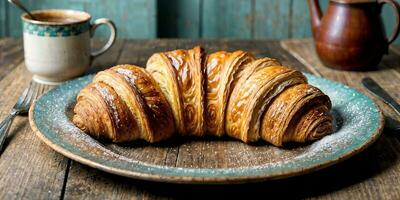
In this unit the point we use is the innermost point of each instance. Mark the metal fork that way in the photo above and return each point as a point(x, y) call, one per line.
point(21, 107)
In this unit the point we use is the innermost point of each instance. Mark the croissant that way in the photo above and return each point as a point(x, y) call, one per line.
point(257, 89)
point(223, 70)
point(180, 76)
point(191, 93)
point(298, 114)
point(124, 103)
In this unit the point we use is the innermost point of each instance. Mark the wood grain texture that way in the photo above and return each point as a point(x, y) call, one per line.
point(395, 49)
point(179, 18)
point(39, 174)
point(224, 18)
point(108, 59)
point(133, 18)
point(3, 18)
point(383, 184)
point(340, 181)
point(299, 20)
point(190, 18)
point(10, 55)
point(272, 19)
point(28, 168)
point(300, 26)
point(108, 186)
point(357, 178)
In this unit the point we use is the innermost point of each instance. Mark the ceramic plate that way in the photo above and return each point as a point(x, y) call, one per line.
point(358, 123)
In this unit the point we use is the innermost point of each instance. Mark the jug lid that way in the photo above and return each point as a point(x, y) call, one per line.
point(354, 1)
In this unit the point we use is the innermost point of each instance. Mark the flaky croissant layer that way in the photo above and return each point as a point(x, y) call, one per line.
point(191, 93)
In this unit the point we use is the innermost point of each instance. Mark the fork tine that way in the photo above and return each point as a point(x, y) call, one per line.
point(31, 96)
point(23, 96)
point(41, 91)
point(37, 92)
point(26, 95)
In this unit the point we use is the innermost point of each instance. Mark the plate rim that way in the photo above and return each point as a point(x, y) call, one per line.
point(209, 179)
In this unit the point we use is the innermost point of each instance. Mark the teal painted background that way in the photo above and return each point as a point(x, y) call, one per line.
point(246, 19)
point(134, 18)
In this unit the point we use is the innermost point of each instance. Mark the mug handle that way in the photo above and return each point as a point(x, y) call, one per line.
point(396, 8)
point(111, 39)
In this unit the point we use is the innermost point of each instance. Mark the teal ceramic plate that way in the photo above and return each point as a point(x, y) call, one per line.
point(192, 160)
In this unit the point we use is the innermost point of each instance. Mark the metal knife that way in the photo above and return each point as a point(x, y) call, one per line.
point(378, 91)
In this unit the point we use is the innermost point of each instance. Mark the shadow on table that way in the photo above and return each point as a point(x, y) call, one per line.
point(16, 127)
point(364, 166)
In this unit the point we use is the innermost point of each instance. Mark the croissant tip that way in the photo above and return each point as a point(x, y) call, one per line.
point(77, 120)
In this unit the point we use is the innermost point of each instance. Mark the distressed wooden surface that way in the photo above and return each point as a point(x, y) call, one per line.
point(31, 170)
point(28, 168)
point(300, 25)
point(179, 18)
point(133, 18)
point(227, 19)
point(3, 18)
point(273, 19)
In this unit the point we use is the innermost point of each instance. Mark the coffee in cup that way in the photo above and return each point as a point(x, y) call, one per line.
point(57, 43)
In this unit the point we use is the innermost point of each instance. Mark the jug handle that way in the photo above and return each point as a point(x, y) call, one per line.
point(396, 8)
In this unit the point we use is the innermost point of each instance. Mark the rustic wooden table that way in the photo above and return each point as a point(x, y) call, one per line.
point(31, 170)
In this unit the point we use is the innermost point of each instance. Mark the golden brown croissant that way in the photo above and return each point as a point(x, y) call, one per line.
point(224, 92)
point(180, 76)
point(223, 70)
point(298, 114)
point(122, 104)
point(258, 87)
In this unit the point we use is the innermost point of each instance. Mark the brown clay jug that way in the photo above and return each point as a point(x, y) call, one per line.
point(351, 35)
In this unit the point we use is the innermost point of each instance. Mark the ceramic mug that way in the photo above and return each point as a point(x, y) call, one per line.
point(57, 43)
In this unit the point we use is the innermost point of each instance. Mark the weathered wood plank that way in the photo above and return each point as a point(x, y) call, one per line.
point(392, 62)
point(87, 183)
point(395, 49)
point(272, 19)
point(39, 174)
point(273, 49)
point(300, 24)
point(384, 74)
point(108, 59)
point(10, 55)
point(373, 173)
point(225, 18)
point(80, 178)
point(300, 21)
point(190, 19)
point(134, 18)
point(3, 18)
point(373, 180)
point(357, 178)
point(179, 18)
point(383, 184)
point(341, 176)
point(28, 168)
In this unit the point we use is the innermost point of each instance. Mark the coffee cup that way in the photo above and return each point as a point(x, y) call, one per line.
point(57, 43)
